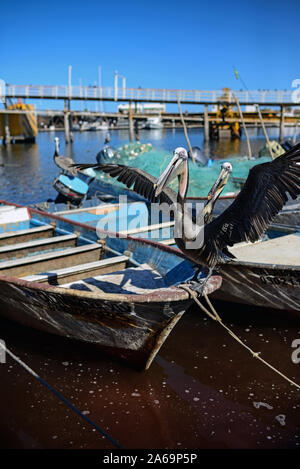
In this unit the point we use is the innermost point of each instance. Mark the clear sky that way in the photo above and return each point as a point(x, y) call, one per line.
point(184, 44)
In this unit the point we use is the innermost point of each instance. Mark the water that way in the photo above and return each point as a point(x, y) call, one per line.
point(202, 391)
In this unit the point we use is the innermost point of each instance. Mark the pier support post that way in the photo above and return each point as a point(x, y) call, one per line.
point(67, 122)
point(71, 127)
point(130, 123)
point(67, 127)
point(7, 138)
point(206, 123)
point(281, 129)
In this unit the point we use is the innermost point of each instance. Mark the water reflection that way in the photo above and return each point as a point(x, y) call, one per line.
point(202, 391)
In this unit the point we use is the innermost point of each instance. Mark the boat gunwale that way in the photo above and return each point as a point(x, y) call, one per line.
point(262, 265)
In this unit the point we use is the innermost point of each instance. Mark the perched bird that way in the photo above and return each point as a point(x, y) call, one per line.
point(265, 192)
point(63, 162)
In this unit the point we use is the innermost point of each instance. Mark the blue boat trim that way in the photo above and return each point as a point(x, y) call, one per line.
point(74, 183)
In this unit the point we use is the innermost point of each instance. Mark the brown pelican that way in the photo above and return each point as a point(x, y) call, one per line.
point(265, 192)
point(63, 162)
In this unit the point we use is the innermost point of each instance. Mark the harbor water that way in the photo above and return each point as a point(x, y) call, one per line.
point(202, 391)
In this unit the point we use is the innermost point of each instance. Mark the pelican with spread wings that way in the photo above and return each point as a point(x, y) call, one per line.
point(265, 192)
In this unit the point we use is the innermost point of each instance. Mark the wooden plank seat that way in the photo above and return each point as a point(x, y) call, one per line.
point(37, 245)
point(37, 232)
point(168, 242)
point(132, 280)
point(147, 228)
point(51, 260)
point(6, 208)
point(81, 271)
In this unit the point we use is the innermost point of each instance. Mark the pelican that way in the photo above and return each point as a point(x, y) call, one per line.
point(265, 192)
point(63, 162)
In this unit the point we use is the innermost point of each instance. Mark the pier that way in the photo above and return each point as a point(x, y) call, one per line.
point(276, 105)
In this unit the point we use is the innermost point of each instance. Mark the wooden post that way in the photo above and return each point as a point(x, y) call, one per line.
point(206, 123)
point(7, 138)
point(244, 126)
point(66, 124)
point(71, 127)
point(130, 123)
point(264, 130)
point(281, 130)
point(70, 118)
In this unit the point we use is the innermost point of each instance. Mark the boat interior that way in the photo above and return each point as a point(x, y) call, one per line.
point(277, 246)
point(280, 245)
point(46, 251)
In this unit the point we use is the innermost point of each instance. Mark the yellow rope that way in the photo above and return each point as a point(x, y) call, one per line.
point(214, 315)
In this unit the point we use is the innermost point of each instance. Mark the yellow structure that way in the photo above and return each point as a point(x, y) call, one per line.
point(21, 125)
point(223, 128)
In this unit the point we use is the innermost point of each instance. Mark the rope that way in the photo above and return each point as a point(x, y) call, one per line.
point(214, 315)
point(60, 396)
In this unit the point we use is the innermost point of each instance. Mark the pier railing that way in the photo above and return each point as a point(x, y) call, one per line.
point(147, 94)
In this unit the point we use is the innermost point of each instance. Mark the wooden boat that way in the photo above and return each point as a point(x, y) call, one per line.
point(118, 293)
point(266, 273)
point(246, 280)
point(93, 210)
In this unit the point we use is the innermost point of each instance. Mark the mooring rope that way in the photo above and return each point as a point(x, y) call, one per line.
point(60, 396)
point(214, 315)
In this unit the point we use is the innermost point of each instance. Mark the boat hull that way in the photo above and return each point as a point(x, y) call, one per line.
point(130, 329)
point(130, 325)
point(265, 285)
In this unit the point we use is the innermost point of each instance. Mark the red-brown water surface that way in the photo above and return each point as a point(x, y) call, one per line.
point(202, 391)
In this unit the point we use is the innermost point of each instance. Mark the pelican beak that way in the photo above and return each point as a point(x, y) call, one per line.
point(219, 184)
point(171, 171)
point(216, 190)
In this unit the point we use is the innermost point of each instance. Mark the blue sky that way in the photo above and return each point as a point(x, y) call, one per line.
point(159, 44)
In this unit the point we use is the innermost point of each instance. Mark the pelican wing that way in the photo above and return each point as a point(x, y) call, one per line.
point(265, 192)
point(141, 182)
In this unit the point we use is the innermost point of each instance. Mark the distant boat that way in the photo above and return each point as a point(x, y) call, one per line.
point(154, 123)
point(93, 126)
point(99, 126)
point(119, 294)
point(85, 126)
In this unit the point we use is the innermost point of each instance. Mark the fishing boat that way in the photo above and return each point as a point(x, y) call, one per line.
point(265, 273)
point(134, 219)
point(154, 123)
point(118, 293)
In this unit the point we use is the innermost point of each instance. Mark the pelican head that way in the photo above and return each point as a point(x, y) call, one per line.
point(221, 182)
point(56, 140)
point(178, 166)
